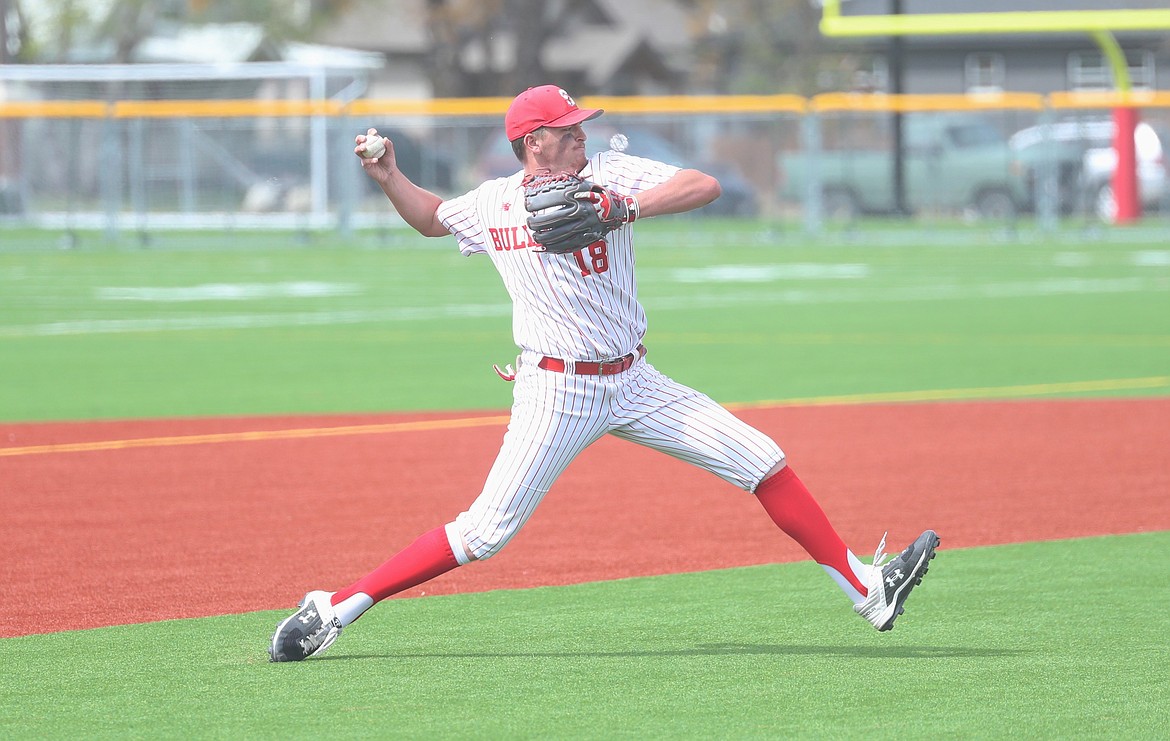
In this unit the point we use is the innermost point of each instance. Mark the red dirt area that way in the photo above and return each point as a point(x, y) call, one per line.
point(115, 534)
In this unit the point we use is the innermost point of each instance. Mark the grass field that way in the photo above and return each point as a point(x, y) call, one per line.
point(1043, 640)
point(258, 324)
point(1005, 643)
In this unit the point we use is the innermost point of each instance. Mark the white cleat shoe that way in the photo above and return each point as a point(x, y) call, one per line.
point(308, 631)
point(890, 583)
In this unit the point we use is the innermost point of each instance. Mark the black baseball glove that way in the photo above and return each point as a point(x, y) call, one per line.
point(569, 213)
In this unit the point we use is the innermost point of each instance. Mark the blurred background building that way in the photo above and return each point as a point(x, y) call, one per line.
point(454, 48)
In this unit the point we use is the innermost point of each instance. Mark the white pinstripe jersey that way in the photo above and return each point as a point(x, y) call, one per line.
point(580, 306)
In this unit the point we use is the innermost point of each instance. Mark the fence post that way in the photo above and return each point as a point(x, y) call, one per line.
point(318, 151)
point(810, 131)
point(110, 175)
point(136, 170)
point(347, 178)
point(1047, 185)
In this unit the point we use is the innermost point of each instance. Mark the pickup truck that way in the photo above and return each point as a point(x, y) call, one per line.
point(1084, 150)
point(959, 163)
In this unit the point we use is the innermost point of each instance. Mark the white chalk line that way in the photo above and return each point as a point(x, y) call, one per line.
point(758, 296)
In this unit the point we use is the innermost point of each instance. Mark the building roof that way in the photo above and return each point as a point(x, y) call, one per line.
point(595, 50)
point(389, 28)
point(204, 44)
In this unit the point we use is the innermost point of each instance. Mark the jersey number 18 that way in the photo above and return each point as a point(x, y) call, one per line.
point(598, 256)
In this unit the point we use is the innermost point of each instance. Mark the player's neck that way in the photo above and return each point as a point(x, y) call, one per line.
point(533, 166)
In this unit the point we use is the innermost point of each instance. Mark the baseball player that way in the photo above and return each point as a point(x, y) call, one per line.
point(559, 233)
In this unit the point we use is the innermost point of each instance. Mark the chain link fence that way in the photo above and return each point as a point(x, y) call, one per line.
point(146, 147)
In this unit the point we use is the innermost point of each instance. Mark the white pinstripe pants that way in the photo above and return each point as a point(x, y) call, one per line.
point(555, 416)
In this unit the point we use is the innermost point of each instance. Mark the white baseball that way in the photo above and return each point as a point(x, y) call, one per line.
point(375, 146)
point(618, 142)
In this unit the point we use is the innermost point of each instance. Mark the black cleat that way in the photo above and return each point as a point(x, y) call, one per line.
point(890, 583)
point(308, 631)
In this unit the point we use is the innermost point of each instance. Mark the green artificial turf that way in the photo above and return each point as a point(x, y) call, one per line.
point(267, 324)
point(1044, 640)
point(1062, 639)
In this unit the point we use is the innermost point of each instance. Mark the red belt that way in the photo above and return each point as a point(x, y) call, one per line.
point(594, 368)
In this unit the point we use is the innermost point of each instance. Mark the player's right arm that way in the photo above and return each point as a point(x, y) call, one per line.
point(686, 190)
point(417, 206)
point(660, 188)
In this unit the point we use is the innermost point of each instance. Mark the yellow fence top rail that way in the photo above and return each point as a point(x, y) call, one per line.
point(434, 106)
point(54, 109)
point(666, 104)
point(224, 108)
point(635, 105)
point(701, 104)
point(920, 103)
point(1111, 99)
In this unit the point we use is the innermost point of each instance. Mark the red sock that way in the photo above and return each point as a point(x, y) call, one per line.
point(793, 509)
point(421, 561)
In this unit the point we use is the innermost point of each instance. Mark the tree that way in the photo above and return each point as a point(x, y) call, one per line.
point(127, 24)
point(506, 36)
point(65, 25)
point(4, 40)
point(766, 46)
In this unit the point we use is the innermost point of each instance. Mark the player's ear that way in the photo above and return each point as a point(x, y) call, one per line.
point(532, 141)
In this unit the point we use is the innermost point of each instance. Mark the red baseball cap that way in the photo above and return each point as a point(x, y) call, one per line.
point(547, 105)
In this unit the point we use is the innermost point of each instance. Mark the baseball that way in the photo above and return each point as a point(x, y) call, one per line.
point(618, 142)
point(375, 146)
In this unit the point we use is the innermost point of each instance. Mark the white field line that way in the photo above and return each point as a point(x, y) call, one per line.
point(227, 291)
point(936, 292)
point(254, 321)
point(758, 296)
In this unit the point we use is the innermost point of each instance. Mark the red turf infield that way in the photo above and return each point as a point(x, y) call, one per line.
point(133, 534)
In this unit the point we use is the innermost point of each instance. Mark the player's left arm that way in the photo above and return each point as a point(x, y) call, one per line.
point(686, 190)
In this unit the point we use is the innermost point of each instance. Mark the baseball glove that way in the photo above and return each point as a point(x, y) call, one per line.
point(569, 213)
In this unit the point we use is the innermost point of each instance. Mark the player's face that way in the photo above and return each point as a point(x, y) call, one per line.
point(563, 148)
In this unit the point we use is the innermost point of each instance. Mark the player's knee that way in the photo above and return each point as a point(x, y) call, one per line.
point(775, 469)
point(485, 548)
point(458, 543)
point(780, 464)
point(479, 543)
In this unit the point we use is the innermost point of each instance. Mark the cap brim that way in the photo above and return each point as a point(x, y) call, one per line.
point(575, 117)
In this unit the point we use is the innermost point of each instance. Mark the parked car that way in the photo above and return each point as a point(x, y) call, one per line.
point(1086, 149)
point(738, 199)
point(954, 162)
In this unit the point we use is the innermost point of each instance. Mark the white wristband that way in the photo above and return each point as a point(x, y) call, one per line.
point(632, 209)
